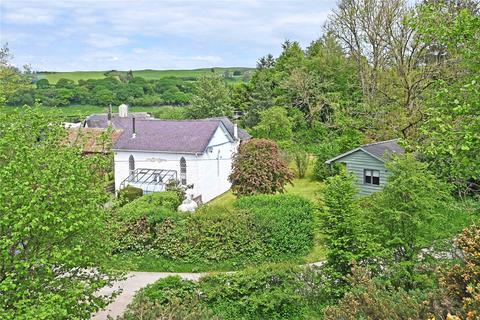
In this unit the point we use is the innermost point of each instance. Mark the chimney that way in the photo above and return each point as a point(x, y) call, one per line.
point(123, 110)
point(134, 132)
point(235, 131)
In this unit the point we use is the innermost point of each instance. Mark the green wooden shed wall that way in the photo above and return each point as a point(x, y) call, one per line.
point(359, 161)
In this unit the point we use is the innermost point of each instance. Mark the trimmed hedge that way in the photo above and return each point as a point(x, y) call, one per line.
point(129, 193)
point(134, 222)
point(265, 227)
point(284, 222)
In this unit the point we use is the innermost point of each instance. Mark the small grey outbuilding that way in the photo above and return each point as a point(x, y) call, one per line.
point(367, 163)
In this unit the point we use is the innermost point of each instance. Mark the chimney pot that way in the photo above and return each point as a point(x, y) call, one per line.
point(235, 131)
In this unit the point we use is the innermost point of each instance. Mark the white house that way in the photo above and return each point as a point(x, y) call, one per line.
point(198, 153)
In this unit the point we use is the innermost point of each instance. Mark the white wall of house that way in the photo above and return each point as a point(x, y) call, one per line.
point(208, 172)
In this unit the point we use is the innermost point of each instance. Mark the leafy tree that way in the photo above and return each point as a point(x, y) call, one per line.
point(462, 281)
point(210, 98)
point(42, 84)
point(301, 159)
point(65, 83)
point(11, 78)
point(369, 299)
point(341, 223)
point(450, 139)
point(258, 168)
point(274, 125)
point(63, 97)
point(403, 212)
point(104, 97)
point(52, 222)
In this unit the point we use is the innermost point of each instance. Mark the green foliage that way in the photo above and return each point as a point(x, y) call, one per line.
point(170, 113)
point(412, 199)
point(370, 300)
point(345, 235)
point(462, 281)
point(274, 125)
point(134, 226)
point(268, 292)
point(130, 193)
point(283, 221)
point(261, 293)
point(261, 227)
point(258, 168)
point(450, 135)
point(210, 98)
point(52, 225)
point(210, 235)
point(301, 159)
point(331, 146)
point(12, 80)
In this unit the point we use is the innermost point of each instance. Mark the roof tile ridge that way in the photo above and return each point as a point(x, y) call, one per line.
point(380, 142)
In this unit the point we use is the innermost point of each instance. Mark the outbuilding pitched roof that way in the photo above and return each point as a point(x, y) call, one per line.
point(92, 140)
point(176, 136)
point(382, 151)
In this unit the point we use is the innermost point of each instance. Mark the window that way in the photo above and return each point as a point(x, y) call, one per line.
point(371, 177)
point(131, 164)
point(183, 171)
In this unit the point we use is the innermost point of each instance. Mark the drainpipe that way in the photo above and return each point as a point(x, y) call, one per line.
point(134, 132)
point(235, 131)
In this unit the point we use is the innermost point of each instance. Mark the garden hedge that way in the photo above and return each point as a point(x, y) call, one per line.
point(267, 292)
point(260, 228)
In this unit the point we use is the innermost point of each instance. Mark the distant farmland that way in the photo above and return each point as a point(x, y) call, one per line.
point(237, 74)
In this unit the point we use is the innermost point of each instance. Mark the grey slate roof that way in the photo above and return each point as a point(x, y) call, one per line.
point(176, 136)
point(383, 150)
point(100, 120)
point(242, 134)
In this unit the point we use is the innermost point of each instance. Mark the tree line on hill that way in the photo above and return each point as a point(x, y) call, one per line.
point(116, 88)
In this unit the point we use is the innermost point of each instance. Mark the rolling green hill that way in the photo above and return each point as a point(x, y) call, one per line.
point(148, 74)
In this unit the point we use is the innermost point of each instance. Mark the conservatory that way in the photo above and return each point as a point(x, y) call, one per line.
point(150, 180)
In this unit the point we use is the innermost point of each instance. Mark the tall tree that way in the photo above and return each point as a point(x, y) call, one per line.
point(12, 80)
point(210, 98)
point(450, 139)
point(52, 222)
point(341, 222)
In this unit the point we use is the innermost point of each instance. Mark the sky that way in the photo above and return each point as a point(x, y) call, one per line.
point(71, 35)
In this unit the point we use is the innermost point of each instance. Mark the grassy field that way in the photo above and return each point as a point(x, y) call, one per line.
point(82, 111)
point(53, 77)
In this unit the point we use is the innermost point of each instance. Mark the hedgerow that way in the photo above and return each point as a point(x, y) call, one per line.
point(274, 227)
point(267, 292)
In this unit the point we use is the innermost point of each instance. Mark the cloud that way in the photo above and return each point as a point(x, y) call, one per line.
point(97, 40)
point(156, 34)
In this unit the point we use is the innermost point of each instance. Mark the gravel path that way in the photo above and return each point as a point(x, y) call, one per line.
point(137, 280)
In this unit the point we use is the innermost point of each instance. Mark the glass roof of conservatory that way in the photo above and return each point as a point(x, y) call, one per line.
point(149, 180)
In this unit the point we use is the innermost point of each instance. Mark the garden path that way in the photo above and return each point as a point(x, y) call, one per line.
point(135, 281)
